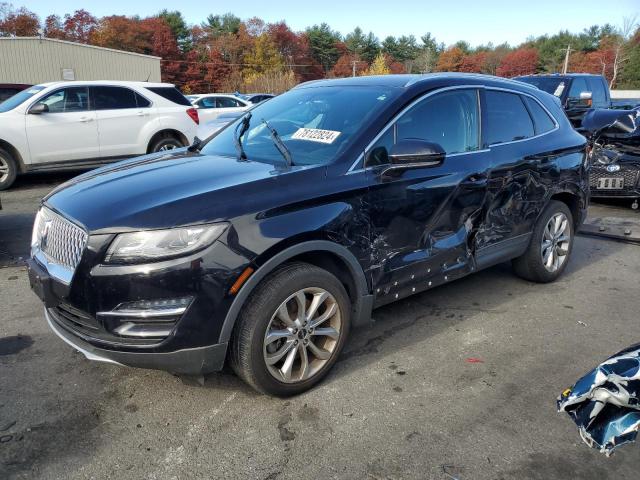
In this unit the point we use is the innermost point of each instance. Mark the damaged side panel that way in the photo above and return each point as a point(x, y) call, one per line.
point(424, 225)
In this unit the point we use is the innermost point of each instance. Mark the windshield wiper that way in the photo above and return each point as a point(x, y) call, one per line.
point(277, 141)
point(237, 136)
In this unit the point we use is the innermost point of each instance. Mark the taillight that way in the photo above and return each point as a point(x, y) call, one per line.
point(193, 113)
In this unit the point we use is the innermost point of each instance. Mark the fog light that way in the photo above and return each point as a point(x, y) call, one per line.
point(141, 309)
point(145, 318)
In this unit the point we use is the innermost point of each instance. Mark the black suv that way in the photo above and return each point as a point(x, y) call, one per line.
point(578, 92)
point(265, 244)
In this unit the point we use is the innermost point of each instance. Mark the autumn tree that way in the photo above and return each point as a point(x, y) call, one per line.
point(18, 23)
point(450, 60)
point(523, 61)
point(379, 66)
point(263, 58)
point(53, 27)
point(80, 26)
point(474, 62)
point(348, 65)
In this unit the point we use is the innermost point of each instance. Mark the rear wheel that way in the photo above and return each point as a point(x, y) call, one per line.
point(165, 143)
point(8, 170)
point(550, 247)
point(291, 331)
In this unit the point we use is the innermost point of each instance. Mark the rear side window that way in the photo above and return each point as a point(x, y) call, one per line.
point(113, 98)
point(598, 92)
point(207, 102)
point(172, 94)
point(542, 122)
point(141, 101)
point(226, 102)
point(507, 118)
point(449, 119)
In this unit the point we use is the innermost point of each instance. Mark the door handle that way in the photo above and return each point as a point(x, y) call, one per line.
point(86, 119)
point(142, 114)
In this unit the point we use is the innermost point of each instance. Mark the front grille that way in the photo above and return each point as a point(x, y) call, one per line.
point(61, 241)
point(628, 172)
point(77, 318)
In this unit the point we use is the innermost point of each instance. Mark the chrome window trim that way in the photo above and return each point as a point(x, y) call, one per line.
point(392, 122)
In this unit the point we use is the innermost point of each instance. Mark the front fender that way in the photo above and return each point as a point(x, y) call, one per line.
point(363, 303)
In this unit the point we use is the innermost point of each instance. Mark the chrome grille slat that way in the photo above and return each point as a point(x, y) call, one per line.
point(61, 241)
point(629, 174)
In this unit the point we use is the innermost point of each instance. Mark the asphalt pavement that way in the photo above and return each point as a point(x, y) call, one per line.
point(459, 382)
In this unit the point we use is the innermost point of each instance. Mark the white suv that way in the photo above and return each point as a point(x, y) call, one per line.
point(69, 125)
point(211, 105)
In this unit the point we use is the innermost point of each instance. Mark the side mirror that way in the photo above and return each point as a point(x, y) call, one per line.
point(39, 108)
point(585, 99)
point(413, 153)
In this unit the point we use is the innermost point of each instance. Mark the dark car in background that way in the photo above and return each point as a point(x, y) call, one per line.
point(267, 244)
point(257, 97)
point(8, 90)
point(578, 92)
point(615, 153)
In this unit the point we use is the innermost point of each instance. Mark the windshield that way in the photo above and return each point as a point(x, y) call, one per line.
point(554, 86)
point(19, 98)
point(315, 124)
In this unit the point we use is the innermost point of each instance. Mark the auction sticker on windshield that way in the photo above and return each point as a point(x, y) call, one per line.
point(316, 135)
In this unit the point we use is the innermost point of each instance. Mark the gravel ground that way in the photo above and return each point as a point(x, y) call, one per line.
point(406, 400)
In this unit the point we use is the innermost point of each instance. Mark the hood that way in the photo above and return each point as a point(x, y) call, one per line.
point(168, 190)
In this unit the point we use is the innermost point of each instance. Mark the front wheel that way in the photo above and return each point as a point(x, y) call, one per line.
point(8, 170)
point(291, 330)
point(550, 247)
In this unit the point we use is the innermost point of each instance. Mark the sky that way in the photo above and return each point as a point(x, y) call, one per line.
point(476, 21)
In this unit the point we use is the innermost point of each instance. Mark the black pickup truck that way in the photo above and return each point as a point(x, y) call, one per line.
point(578, 92)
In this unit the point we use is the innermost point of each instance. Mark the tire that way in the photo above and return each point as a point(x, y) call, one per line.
point(165, 142)
point(8, 170)
point(558, 245)
point(261, 361)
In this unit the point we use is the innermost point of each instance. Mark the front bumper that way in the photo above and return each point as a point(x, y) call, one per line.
point(77, 312)
point(192, 361)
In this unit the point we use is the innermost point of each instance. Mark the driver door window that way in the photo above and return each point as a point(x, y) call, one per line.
point(73, 99)
point(450, 119)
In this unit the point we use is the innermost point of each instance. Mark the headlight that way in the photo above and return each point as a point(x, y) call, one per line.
point(140, 247)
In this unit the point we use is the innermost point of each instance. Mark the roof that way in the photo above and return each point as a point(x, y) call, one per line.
point(560, 75)
point(122, 83)
point(75, 44)
point(407, 80)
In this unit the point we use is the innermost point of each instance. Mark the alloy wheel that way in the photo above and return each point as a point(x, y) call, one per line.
point(167, 146)
point(555, 242)
point(303, 335)
point(4, 169)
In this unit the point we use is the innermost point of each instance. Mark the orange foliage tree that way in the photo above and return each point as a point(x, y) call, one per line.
point(523, 61)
